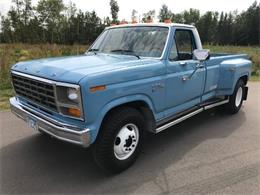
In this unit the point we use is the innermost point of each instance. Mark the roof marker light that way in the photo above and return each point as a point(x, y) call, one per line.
point(167, 21)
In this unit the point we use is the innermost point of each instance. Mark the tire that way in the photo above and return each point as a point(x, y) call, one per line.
point(120, 140)
point(236, 99)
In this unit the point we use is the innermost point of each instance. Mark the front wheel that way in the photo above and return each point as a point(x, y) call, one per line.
point(236, 99)
point(120, 140)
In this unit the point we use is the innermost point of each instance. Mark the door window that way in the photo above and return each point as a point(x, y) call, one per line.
point(183, 45)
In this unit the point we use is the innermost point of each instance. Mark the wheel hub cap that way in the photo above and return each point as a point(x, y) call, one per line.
point(126, 141)
point(239, 96)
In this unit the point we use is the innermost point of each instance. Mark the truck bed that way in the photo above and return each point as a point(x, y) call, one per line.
point(228, 55)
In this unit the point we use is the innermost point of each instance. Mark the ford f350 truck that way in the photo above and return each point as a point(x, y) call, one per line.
point(135, 78)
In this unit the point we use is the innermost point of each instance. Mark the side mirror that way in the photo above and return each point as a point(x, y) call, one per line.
point(201, 54)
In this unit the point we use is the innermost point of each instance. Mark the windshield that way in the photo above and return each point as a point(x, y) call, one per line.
point(145, 41)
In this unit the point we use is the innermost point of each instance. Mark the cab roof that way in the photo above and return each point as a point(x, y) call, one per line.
point(160, 24)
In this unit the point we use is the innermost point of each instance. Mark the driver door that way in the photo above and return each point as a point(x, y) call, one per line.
point(183, 93)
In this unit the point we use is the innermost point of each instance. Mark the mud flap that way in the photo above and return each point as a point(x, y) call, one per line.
point(245, 93)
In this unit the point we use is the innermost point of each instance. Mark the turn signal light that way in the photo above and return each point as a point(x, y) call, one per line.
point(97, 88)
point(74, 112)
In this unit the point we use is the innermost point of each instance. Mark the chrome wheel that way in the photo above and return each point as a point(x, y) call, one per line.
point(239, 96)
point(126, 141)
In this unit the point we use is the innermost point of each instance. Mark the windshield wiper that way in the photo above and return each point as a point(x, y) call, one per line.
point(93, 50)
point(126, 51)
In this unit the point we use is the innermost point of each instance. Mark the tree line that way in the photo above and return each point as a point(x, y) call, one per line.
point(54, 22)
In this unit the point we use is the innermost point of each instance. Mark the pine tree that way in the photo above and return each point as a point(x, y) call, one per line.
point(114, 10)
point(165, 13)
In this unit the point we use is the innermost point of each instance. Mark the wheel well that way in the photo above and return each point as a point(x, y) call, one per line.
point(143, 108)
point(244, 79)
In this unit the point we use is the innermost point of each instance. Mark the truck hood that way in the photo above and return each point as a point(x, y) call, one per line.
point(73, 68)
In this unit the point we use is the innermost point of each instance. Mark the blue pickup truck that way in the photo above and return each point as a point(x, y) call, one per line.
point(135, 78)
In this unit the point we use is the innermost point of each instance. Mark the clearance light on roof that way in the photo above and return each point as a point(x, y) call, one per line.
point(167, 21)
point(123, 22)
point(149, 21)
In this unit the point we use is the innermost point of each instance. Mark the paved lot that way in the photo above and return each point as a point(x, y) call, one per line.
point(210, 153)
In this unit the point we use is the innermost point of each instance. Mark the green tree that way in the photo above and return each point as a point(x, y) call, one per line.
point(149, 16)
point(50, 16)
point(70, 25)
point(6, 32)
point(114, 10)
point(92, 26)
point(164, 13)
point(106, 21)
point(134, 15)
point(191, 17)
point(207, 26)
point(247, 25)
point(52, 21)
point(178, 18)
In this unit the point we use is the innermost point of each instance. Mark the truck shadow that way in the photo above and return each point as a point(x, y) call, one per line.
point(39, 164)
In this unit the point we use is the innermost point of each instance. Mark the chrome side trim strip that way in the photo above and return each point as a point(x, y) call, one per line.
point(216, 104)
point(174, 122)
point(166, 126)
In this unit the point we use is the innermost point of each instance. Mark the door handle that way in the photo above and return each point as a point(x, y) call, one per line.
point(183, 63)
point(198, 66)
point(186, 77)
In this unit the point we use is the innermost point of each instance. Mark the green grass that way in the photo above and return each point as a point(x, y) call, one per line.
point(255, 78)
point(5, 94)
point(12, 53)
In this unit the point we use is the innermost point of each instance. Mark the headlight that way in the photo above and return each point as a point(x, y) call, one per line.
point(72, 94)
point(69, 101)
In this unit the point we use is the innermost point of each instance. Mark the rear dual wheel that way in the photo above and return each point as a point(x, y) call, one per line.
point(236, 99)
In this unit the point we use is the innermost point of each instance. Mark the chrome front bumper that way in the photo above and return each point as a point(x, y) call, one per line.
point(56, 129)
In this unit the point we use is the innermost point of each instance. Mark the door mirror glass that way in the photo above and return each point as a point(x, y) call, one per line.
point(201, 54)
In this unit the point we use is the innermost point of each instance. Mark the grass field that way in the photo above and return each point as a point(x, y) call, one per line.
point(12, 53)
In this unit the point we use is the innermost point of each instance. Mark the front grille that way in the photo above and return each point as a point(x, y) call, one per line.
point(35, 91)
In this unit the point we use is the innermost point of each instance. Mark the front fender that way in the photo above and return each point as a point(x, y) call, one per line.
point(95, 126)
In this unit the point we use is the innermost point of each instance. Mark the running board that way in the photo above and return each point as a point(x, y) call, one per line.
point(178, 120)
point(216, 104)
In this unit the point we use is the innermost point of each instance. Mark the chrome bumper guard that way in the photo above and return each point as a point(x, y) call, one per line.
point(61, 131)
